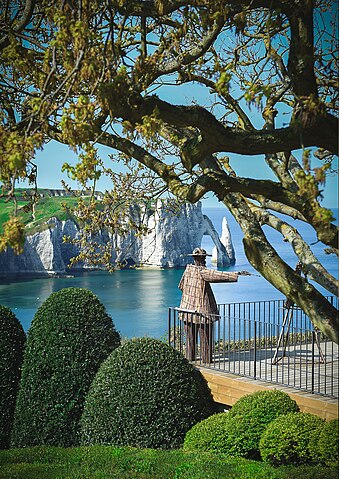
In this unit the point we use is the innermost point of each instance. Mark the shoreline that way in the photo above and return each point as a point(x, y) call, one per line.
point(78, 272)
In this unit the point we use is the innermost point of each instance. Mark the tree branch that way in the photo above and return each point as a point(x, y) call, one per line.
point(21, 24)
point(220, 138)
point(231, 102)
point(278, 163)
point(278, 207)
point(310, 264)
point(265, 259)
point(196, 52)
point(301, 57)
point(192, 193)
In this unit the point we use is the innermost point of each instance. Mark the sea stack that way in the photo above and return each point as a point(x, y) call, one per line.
point(226, 241)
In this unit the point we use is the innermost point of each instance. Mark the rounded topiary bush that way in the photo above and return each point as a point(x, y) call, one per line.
point(265, 405)
point(287, 438)
point(71, 334)
point(145, 394)
point(249, 418)
point(238, 432)
point(12, 341)
point(209, 435)
point(324, 445)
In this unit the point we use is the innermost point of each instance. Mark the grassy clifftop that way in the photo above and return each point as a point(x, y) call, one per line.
point(47, 207)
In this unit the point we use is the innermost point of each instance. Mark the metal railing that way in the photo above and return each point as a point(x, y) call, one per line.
point(263, 340)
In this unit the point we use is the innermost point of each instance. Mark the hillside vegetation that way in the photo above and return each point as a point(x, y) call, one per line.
point(47, 206)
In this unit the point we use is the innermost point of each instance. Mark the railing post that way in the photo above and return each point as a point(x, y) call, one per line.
point(313, 364)
point(255, 351)
point(238, 360)
point(169, 326)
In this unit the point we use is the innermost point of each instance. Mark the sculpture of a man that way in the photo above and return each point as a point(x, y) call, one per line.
point(198, 297)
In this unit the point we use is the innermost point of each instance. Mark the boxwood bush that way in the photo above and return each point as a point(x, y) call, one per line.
point(265, 404)
point(249, 418)
point(145, 394)
point(71, 334)
point(12, 341)
point(238, 432)
point(287, 438)
point(209, 435)
point(324, 444)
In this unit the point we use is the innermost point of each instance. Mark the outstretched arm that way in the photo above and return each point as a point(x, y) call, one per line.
point(213, 276)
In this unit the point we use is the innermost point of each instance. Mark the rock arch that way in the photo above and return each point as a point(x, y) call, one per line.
point(221, 251)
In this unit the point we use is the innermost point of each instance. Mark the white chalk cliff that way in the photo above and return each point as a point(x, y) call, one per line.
point(170, 240)
point(226, 241)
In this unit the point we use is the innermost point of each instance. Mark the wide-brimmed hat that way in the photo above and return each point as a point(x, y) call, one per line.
point(199, 252)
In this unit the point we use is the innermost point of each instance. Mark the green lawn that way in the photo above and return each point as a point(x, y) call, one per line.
point(104, 462)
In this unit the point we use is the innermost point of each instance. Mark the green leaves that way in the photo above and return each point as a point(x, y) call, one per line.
point(222, 85)
point(145, 394)
point(286, 439)
point(255, 93)
point(13, 235)
point(12, 342)
point(86, 170)
point(16, 150)
point(238, 432)
point(77, 122)
point(71, 334)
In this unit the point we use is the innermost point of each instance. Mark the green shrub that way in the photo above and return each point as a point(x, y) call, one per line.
point(209, 435)
point(71, 334)
point(238, 432)
point(264, 405)
point(146, 395)
point(12, 341)
point(249, 418)
point(286, 439)
point(324, 444)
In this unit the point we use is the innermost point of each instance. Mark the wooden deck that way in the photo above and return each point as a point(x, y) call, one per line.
point(232, 375)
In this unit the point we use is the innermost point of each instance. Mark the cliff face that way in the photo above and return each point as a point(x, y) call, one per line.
point(170, 239)
point(44, 252)
point(218, 254)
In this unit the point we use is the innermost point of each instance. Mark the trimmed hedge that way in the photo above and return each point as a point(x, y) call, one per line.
point(267, 405)
point(324, 445)
point(250, 416)
point(209, 435)
point(287, 438)
point(145, 394)
point(71, 334)
point(238, 432)
point(12, 342)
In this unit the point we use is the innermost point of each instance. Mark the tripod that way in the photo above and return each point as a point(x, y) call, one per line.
point(285, 330)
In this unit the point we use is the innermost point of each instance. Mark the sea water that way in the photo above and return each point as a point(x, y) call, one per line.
point(138, 299)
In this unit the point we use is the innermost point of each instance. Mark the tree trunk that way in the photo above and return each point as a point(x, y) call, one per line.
point(266, 260)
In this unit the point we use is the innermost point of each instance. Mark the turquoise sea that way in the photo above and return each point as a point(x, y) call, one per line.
point(138, 299)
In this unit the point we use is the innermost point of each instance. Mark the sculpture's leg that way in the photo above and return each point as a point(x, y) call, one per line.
point(206, 341)
point(191, 340)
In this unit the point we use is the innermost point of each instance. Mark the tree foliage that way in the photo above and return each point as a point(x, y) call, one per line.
point(117, 73)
